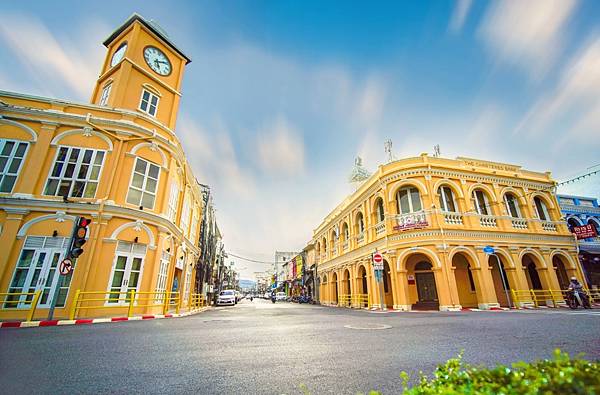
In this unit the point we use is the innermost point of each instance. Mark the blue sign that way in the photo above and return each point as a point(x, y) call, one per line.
point(379, 275)
point(488, 249)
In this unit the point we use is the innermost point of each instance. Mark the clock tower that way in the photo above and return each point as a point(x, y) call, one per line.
point(142, 72)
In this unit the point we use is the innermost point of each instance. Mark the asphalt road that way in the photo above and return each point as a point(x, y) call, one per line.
point(264, 348)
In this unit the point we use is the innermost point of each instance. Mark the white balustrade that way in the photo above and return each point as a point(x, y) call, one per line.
point(519, 223)
point(345, 246)
point(488, 221)
point(549, 226)
point(453, 218)
point(380, 228)
point(360, 238)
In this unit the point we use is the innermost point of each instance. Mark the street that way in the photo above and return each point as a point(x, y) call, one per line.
point(260, 347)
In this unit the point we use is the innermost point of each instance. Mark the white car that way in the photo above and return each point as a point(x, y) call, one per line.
point(226, 297)
point(280, 296)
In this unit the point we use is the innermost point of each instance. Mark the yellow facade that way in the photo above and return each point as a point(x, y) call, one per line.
point(117, 161)
point(431, 218)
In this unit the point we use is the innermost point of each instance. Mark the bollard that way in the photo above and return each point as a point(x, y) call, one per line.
point(73, 311)
point(34, 303)
point(131, 298)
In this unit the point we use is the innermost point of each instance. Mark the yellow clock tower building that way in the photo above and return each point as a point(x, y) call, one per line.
point(117, 161)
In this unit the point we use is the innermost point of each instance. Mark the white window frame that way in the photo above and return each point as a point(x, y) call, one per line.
point(194, 225)
point(10, 158)
point(516, 204)
point(144, 183)
point(130, 256)
point(185, 215)
point(161, 280)
point(409, 193)
point(187, 282)
point(380, 210)
point(444, 199)
point(78, 164)
point(485, 202)
point(545, 212)
point(105, 94)
point(147, 108)
point(173, 201)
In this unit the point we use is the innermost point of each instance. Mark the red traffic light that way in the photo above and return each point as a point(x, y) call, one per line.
point(84, 221)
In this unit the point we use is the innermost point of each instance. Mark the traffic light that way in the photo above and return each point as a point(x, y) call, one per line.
point(78, 238)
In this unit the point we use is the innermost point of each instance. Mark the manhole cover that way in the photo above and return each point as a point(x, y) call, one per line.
point(368, 326)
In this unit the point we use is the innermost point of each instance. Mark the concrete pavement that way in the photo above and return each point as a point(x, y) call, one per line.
point(264, 348)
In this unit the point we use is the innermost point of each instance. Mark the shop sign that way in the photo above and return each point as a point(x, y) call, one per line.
point(411, 221)
point(585, 231)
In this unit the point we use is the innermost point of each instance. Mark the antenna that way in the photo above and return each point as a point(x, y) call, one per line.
point(387, 146)
point(436, 151)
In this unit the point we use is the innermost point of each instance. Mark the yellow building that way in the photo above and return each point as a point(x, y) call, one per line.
point(117, 161)
point(431, 218)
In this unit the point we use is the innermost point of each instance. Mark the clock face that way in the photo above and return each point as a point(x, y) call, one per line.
point(157, 60)
point(118, 55)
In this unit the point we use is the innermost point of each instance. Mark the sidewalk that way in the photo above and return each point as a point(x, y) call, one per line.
point(87, 321)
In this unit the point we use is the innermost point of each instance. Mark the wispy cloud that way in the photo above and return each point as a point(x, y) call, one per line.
point(574, 103)
point(528, 34)
point(280, 148)
point(459, 16)
point(49, 60)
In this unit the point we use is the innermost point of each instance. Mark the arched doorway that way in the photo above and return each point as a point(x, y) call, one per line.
point(465, 283)
point(388, 295)
point(363, 286)
point(421, 283)
point(561, 272)
point(334, 286)
point(323, 291)
point(500, 279)
point(530, 268)
point(347, 289)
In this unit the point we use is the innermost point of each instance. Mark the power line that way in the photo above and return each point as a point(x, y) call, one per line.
point(250, 259)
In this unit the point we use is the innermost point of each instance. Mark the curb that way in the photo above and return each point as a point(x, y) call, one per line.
point(89, 321)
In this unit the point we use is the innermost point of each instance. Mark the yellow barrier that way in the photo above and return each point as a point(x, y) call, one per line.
point(11, 301)
point(547, 297)
point(361, 300)
point(197, 301)
point(118, 299)
point(344, 300)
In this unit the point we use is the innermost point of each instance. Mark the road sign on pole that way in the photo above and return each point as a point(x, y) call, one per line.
point(65, 267)
point(489, 250)
point(377, 261)
point(378, 268)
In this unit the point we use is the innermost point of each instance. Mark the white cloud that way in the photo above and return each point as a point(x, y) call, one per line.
point(527, 33)
point(574, 102)
point(75, 65)
point(459, 16)
point(280, 149)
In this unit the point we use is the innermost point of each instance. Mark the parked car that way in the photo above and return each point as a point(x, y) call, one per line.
point(226, 297)
point(280, 296)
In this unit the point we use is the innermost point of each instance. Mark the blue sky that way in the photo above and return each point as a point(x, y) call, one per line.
point(282, 95)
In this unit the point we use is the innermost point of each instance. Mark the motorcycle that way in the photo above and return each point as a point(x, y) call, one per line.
point(304, 299)
point(577, 298)
point(273, 298)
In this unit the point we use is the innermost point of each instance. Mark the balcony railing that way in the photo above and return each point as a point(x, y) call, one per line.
point(411, 221)
point(360, 238)
point(453, 218)
point(488, 221)
point(380, 228)
point(345, 246)
point(549, 226)
point(519, 223)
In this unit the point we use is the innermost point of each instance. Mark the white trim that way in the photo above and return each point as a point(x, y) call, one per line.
point(71, 132)
point(564, 255)
point(138, 224)
point(395, 187)
point(147, 110)
point(534, 253)
point(21, 126)
point(468, 251)
point(58, 216)
point(153, 147)
point(416, 250)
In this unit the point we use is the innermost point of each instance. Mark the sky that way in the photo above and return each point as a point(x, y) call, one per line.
point(281, 96)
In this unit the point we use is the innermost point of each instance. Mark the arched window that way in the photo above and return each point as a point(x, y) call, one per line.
point(380, 211)
point(447, 199)
point(360, 223)
point(512, 205)
point(324, 244)
point(481, 202)
point(345, 231)
point(541, 209)
point(423, 266)
point(594, 224)
point(572, 222)
point(409, 200)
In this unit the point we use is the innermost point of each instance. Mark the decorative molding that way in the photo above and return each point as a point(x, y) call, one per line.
point(19, 125)
point(59, 216)
point(85, 131)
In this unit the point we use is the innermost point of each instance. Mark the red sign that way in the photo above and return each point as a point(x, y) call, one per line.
point(377, 257)
point(585, 231)
point(65, 267)
point(411, 221)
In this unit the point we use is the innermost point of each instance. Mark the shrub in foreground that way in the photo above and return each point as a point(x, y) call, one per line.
point(560, 375)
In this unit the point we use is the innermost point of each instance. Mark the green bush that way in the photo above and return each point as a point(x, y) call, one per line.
point(561, 375)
